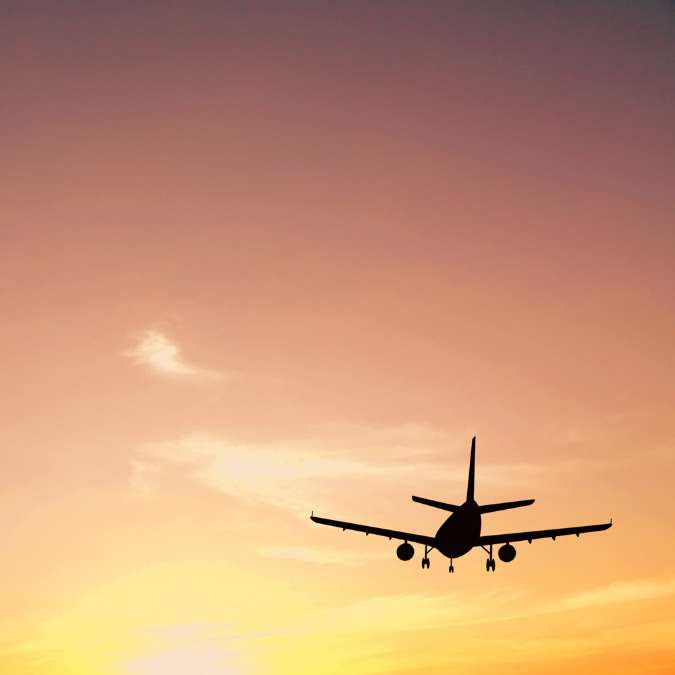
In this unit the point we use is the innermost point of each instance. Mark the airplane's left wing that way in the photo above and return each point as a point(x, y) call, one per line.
point(379, 531)
point(510, 537)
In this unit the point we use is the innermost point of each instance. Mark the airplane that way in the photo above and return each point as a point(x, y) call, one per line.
point(462, 530)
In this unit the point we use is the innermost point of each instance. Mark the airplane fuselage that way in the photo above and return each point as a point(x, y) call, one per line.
point(460, 532)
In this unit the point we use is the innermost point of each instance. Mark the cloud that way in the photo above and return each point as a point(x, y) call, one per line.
point(318, 556)
point(155, 351)
point(463, 608)
point(618, 592)
point(293, 475)
point(144, 477)
point(405, 433)
point(183, 649)
point(277, 475)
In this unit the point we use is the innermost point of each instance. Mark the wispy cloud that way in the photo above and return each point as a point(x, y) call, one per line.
point(404, 433)
point(144, 477)
point(292, 475)
point(184, 648)
point(621, 591)
point(277, 475)
point(426, 611)
point(318, 556)
point(156, 351)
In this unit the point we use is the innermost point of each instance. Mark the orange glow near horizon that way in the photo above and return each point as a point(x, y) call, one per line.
point(259, 261)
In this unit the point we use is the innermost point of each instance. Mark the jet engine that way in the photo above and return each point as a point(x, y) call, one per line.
point(506, 553)
point(405, 551)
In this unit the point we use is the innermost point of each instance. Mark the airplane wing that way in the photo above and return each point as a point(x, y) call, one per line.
point(510, 537)
point(379, 531)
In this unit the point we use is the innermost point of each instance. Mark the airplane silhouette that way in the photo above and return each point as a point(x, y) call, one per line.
point(461, 531)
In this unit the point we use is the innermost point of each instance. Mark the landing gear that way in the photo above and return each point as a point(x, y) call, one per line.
point(490, 563)
point(451, 569)
point(426, 563)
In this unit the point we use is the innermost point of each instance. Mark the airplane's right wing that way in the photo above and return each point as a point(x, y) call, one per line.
point(510, 537)
point(379, 531)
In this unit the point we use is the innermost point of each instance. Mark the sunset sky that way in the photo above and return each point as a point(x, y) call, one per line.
point(264, 258)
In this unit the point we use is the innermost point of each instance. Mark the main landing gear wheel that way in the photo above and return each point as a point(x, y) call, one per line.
point(426, 563)
point(490, 562)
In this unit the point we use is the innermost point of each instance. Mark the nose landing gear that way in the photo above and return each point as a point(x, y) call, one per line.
point(451, 569)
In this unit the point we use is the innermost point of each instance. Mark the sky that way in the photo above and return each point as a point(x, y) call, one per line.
point(259, 259)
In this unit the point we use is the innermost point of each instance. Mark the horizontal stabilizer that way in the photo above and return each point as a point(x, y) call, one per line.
point(502, 506)
point(435, 504)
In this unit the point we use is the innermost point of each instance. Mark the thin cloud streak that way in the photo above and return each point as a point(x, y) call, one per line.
point(276, 475)
point(318, 556)
point(157, 352)
point(426, 611)
point(288, 475)
point(622, 591)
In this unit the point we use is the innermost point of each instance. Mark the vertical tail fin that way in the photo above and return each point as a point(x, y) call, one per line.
point(472, 471)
